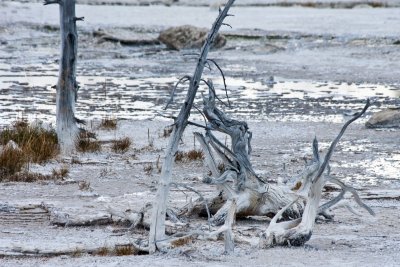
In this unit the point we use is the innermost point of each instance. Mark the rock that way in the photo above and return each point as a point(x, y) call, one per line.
point(187, 36)
point(388, 118)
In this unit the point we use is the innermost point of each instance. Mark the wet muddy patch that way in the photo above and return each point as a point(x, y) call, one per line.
point(145, 98)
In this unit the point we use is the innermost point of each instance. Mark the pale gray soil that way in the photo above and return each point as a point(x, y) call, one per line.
point(325, 63)
point(367, 159)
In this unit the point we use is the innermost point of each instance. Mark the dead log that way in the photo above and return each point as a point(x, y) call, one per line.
point(67, 128)
point(253, 196)
point(157, 229)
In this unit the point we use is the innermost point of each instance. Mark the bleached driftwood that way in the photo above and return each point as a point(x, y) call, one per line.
point(67, 87)
point(297, 232)
point(157, 229)
point(254, 196)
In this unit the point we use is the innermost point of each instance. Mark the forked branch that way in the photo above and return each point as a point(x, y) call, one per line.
point(297, 232)
point(157, 229)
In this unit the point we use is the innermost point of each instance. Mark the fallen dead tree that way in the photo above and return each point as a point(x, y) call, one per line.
point(240, 191)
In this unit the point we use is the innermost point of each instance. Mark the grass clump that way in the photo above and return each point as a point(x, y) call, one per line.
point(125, 250)
point(27, 177)
point(11, 161)
point(61, 173)
point(192, 155)
point(108, 123)
point(36, 143)
point(121, 145)
point(88, 145)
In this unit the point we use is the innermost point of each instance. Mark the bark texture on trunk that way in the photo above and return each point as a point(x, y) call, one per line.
point(157, 228)
point(67, 128)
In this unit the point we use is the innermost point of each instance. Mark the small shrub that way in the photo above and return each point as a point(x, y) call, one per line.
point(191, 155)
point(61, 173)
point(11, 162)
point(37, 144)
point(103, 251)
point(179, 156)
point(27, 177)
point(125, 250)
point(121, 145)
point(84, 134)
point(108, 123)
point(195, 155)
point(88, 145)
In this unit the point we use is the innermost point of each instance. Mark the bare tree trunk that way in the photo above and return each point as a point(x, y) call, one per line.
point(67, 128)
point(157, 228)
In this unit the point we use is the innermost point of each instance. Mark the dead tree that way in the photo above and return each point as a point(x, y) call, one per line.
point(245, 193)
point(240, 190)
point(297, 232)
point(157, 229)
point(238, 181)
point(67, 128)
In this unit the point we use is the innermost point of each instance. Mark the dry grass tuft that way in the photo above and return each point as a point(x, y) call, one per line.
point(195, 155)
point(167, 131)
point(179, 156)
point(103, 251)
point(125, 250)
point(61, 173)
point(179, 242)
point(11, 161)
point(37, 144)
point(77, 253)
point(109, 123)
point(27, 177)
point(88, 145)
point(191, 155)
point(121, 145)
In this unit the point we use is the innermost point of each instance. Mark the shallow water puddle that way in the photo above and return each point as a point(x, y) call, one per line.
point(144, 98)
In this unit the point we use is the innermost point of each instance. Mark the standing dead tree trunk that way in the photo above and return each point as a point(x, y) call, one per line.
point(67, 128)
point(157, 228)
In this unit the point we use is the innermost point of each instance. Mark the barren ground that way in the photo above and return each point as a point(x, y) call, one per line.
point(351, 53)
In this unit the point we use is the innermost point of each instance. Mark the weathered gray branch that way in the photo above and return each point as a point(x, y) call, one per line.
point(297, 232)
point(49, 2)
point(157, 229)
point(67, 129)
